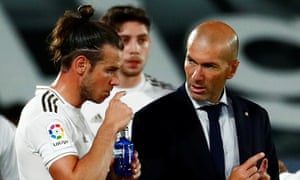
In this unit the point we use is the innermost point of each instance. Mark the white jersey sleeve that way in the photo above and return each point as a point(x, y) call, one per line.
point(51, 138)
point(49, 129)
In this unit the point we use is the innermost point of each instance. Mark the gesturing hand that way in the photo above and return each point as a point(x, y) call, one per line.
point(249, 171)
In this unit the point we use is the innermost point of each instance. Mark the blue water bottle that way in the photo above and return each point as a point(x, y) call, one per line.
point(123, 154)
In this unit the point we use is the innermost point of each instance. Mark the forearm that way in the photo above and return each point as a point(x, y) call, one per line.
point(96, 164)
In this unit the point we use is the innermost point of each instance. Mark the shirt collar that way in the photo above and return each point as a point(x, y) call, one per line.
point(199, 104)
point(138, 87)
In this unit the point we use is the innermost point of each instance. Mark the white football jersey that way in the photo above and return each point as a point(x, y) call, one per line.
point(8, 161)
point(49, 128)
point(146, 91)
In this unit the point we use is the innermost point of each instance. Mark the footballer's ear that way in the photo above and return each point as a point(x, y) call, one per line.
point(80, 64)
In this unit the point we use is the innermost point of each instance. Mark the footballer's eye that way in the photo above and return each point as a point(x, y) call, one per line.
point(111, 70)
point(125, 39)
point(142, 40)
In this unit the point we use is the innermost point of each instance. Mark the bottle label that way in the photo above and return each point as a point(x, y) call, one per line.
point(124, 155)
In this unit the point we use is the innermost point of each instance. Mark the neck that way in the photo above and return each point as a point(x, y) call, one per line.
point(67, 86)
point(130, 81)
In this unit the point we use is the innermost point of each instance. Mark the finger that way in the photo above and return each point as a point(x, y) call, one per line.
point(251, 171)
point(119, 94)
point(137, 174)
point(253, 160)
point(136, 154)
point(136, 171)
point(265, 176)
point(136, 166)
point(112, 161)
point(254, 176)
point(263, 166)
point(136, 163)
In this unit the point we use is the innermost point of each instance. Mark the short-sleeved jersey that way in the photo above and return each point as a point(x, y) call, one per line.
point(49, 129)
point(145, 92)
point(8, 161)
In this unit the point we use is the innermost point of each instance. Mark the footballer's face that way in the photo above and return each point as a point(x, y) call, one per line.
point(136, 40)
point(99, 81)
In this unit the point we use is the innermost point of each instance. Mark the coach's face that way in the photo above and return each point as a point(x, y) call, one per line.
point(207, 69)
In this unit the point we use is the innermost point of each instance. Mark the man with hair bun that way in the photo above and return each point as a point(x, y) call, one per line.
point(53, 140)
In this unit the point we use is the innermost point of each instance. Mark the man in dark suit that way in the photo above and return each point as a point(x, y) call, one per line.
point(175, 135)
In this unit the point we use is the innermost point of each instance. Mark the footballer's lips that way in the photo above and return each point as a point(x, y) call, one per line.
point(107, 92)
point(133, 63)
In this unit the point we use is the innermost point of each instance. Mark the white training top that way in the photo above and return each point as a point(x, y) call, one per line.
point(290, 175)
point(8, 161)
point(49, 129)
point(145, 92)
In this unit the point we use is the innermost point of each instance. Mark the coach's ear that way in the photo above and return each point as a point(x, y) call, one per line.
point(233, 65)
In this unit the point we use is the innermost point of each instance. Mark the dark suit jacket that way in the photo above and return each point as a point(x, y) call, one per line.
point(171, 144)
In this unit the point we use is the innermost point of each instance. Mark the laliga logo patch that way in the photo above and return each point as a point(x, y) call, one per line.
point(56, 131)
point(57, 135)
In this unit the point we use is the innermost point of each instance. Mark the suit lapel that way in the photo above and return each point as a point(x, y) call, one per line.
point(244, 132)
point(192, 137)
point(193, 120)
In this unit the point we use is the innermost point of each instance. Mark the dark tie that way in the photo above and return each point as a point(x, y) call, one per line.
point(215, 139)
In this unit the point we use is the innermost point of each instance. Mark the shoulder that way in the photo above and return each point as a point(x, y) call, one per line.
point(5, 123)
point(241, 100)
point(163, 105)
point(242, 104)
point(41, 110)
point(46, 101)
point(7, 128)
point(157, 83)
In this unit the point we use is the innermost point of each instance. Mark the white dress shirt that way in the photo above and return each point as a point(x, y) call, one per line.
point(227, 127)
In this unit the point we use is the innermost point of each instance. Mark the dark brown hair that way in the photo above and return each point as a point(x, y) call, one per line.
point(75, 34)
point(118, 15)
